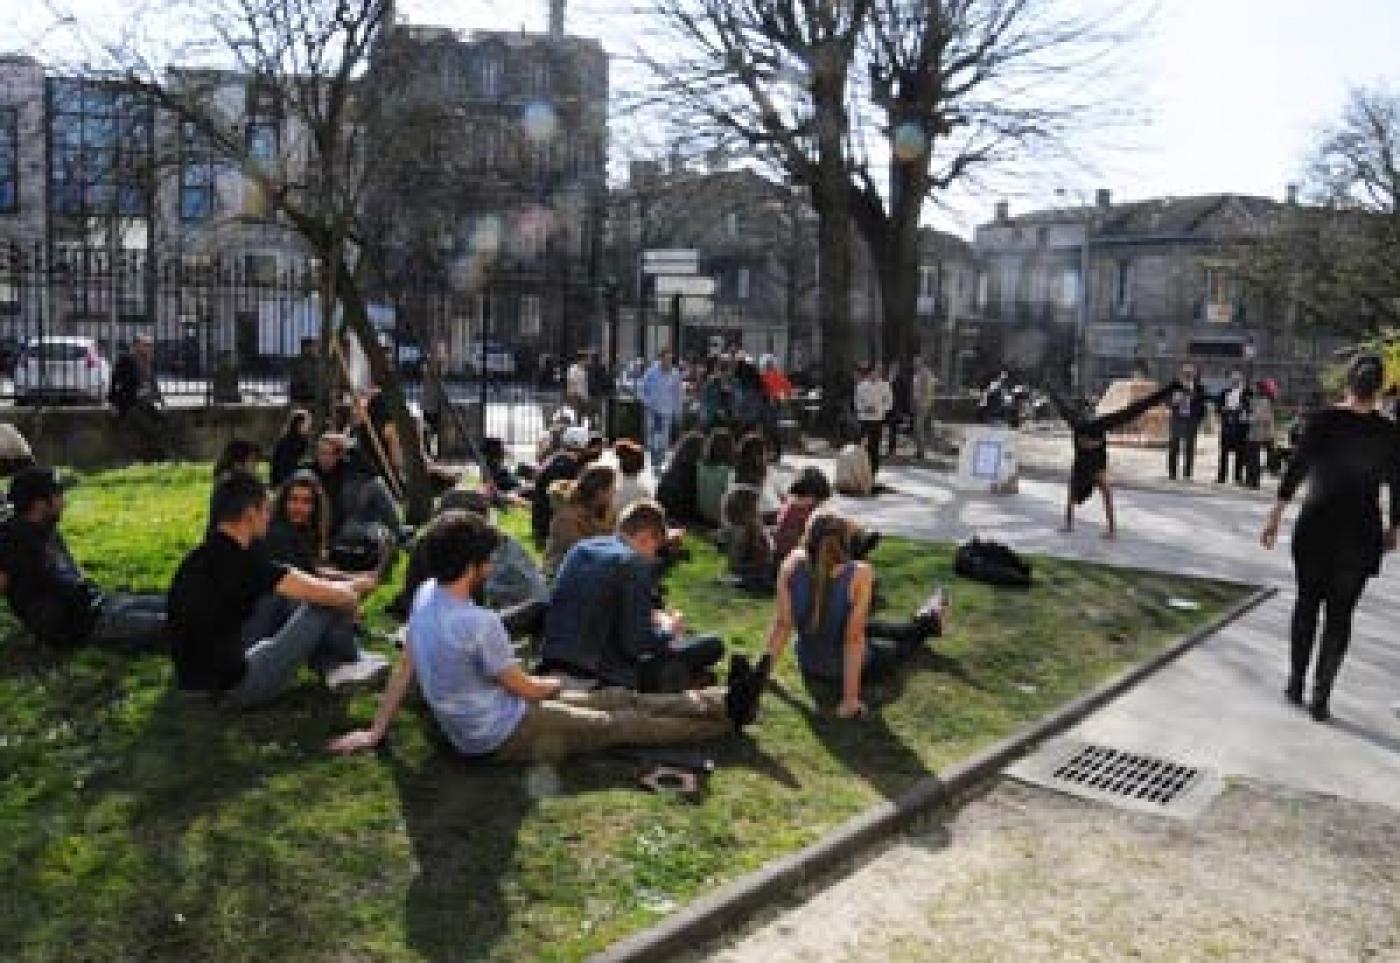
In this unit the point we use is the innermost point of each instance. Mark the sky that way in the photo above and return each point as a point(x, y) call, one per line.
point(1230, 92)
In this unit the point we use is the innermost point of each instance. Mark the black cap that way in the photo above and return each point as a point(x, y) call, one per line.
point(31, 484)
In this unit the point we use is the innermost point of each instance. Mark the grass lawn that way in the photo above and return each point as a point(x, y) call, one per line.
point(136, 825)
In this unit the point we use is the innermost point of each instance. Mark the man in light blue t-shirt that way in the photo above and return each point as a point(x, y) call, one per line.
point(662, 395)
point(488, 705)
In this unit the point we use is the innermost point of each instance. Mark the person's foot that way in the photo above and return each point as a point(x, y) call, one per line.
point(935, 608)
point(368, 670)
point(1395, 708)
point(865, 543)
point(1109, 535)
point(1293, 692)
point(1320, 710)
point(1065, 530)
point(741, 699)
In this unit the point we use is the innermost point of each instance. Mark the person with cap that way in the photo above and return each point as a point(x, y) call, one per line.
point(136, 397)
point(564, 465)
point(1347, 452)
point(488, 706)
point(215, 595)
point(47, 590)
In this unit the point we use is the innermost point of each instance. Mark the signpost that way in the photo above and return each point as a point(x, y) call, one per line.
point(670, 262)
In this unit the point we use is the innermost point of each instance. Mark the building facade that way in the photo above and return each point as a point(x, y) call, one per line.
point(1094, 293)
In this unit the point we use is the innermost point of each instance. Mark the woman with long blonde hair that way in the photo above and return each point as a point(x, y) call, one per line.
point(824, 593)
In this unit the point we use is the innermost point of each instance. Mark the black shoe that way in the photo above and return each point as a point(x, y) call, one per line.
point(863, 544)
point(1293, 692)
point(741, 701)
point(1320, 711)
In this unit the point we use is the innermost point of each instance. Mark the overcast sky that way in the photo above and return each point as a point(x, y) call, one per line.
point(1231, 90)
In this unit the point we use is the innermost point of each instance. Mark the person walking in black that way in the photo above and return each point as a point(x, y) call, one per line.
point(1188, 409)
point(135, 395)
point(1346, 453)
point(1234, 406)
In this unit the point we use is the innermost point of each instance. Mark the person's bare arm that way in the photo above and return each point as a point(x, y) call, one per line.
point(300, 587)
point(531, 688)
point(780, 632)
point(389, 704)
point(853, 645)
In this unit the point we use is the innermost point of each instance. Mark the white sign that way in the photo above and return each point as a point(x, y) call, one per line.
point(691, 285)
point(670, 262)
point(987, 461)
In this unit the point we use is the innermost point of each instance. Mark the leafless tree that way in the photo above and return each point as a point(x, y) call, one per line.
point(303, 62)
point(878, 105)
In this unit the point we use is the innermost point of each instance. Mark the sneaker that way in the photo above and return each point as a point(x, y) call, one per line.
point(1395, 708)
point(935, 607)
point(368, 670)
point(741, 701)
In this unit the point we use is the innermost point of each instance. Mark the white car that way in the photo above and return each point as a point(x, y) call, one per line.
point(62, 367)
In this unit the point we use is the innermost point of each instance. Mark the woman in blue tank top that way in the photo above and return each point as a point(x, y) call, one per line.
point(824, 594)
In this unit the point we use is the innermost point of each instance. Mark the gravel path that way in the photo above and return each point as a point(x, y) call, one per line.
point(1025, 874)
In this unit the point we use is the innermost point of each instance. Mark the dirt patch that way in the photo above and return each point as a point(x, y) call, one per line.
point(1024, 874)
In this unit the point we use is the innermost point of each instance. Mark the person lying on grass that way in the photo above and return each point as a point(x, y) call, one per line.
point(488, 706)
point(47, 590)
point(824, 594)
point(213, 606)
point(604, 624)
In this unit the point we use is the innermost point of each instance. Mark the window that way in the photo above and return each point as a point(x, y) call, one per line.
point(731, 224)
point(539, 77)
point(1222, 296)
point(198, 176)
point(1123, 287)
point(530, 315)
point(741, 284)
point(1069, 288)
point(491, 73)
point(101, 150)
point(9, 160)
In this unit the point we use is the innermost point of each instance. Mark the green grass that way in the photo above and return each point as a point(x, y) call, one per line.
point(135, 825)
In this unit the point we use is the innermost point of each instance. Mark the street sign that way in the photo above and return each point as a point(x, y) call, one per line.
point(690, 285)
point(670, 262)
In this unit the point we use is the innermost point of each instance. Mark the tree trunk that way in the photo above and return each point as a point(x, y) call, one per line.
point(899, 289)
point(418, 490)
point(831, 196)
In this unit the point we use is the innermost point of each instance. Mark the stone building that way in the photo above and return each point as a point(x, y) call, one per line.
point(1162, 288)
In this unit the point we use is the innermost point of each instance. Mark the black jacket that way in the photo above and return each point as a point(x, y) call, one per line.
point(1194, 409)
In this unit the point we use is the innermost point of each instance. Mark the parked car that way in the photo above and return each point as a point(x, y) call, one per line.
point(68, 368)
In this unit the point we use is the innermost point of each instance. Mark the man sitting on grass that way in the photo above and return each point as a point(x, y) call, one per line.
point(46, 589)
point(487, 705)
point(603, 625)
point(216, 590)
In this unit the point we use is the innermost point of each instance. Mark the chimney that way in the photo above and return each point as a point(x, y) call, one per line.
point(1292, 195)
point(1003, 211)
point(1103, 197)
point(556, 19)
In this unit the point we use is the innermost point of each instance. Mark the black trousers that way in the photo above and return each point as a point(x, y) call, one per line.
point(889, 645)
point(871, 432)
point(1231, 443)
point(1335, 593)
point(1181, 450)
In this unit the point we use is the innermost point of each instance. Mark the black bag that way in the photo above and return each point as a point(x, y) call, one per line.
point(993, 563)
point(359, 551)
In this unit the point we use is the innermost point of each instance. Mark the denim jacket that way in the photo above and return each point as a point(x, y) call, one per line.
point(600, 611)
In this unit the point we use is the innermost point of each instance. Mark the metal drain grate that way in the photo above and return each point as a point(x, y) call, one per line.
point(1128, 780)
point(1127, 774)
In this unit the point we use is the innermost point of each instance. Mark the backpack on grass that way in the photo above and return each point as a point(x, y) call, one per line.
point(993, 563)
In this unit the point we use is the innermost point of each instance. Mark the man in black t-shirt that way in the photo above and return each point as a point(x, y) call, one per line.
point(46, 588)
point(216, 591)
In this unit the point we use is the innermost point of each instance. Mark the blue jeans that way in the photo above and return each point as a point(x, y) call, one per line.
point(314, 635)
point(130, 621)
point(659, 428)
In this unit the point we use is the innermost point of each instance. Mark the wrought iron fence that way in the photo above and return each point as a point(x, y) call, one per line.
point(228, 328)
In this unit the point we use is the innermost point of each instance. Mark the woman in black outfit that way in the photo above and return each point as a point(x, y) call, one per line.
point(1089, 469)
point(1347, 452)
point(292, 447)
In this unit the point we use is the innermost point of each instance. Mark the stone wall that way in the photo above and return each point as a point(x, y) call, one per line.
point(87, 437)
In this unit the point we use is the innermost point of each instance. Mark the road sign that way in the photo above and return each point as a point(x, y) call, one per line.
point(670, 262)
point(690, 285)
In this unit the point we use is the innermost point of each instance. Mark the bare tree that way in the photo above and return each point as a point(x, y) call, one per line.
point(878, 105)
point(774, 76)
point(304, 63)
point(1336, 255)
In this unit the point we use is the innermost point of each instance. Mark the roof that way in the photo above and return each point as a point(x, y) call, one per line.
point(1161, 216)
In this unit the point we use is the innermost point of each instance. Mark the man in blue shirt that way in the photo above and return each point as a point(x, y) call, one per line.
point(487, 705)
point(603, 624)
point(661, 395)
